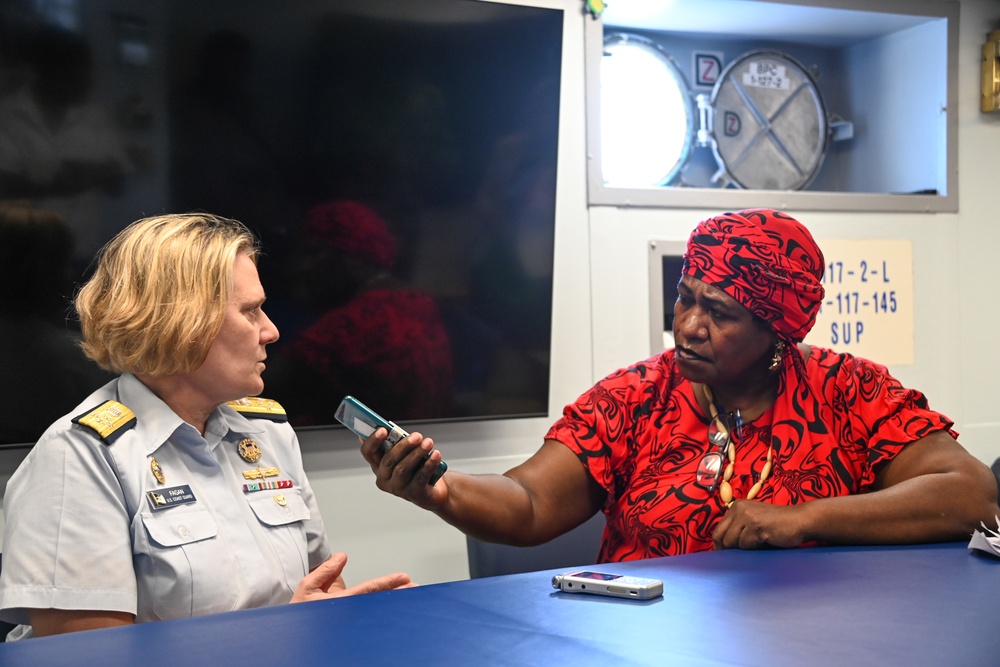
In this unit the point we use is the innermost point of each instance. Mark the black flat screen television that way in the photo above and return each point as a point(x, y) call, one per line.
point(396, 158)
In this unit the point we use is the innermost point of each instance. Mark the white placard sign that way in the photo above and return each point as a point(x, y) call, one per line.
point(765, 75)
point(868, 307)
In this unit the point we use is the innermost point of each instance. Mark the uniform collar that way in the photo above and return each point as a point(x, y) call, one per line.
point(156, 421)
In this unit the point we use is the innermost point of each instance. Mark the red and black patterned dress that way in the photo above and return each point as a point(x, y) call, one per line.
point(641, 433)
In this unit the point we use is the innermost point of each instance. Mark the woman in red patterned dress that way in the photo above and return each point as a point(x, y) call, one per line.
point(739, 436)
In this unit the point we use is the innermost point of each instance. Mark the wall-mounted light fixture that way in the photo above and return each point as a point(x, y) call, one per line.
point(990, 101)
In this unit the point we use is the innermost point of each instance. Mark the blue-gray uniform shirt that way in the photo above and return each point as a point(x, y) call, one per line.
point(90, 526)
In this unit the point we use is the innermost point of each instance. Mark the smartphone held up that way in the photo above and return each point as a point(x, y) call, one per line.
point(364, 421)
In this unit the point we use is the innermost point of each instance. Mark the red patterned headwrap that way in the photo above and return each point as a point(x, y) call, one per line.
point(764, 259)
point(354, 229)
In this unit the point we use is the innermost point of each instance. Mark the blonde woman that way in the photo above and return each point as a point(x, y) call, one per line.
point(168, 492)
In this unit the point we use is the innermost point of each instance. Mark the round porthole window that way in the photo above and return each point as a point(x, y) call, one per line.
point(764, 127)
point(647, 116)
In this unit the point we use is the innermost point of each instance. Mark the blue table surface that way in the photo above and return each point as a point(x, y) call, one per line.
point(911, 605)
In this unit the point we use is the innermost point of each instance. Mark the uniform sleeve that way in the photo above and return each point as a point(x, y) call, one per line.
point(67, 542)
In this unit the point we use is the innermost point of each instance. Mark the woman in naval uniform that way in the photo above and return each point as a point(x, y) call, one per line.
point(168, 493)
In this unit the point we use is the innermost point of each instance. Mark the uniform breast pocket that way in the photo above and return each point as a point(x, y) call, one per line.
point(283, 517)
point(184, 568)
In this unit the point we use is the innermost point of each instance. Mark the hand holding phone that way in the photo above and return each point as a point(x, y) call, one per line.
point(604, 583)
point(364, 421)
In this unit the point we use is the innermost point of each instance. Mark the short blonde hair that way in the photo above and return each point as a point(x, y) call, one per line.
point(160, 291)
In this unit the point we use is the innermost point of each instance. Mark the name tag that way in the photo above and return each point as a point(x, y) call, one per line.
point(162, 499)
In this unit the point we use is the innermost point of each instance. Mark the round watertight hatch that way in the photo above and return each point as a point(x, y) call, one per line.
point(769, 123)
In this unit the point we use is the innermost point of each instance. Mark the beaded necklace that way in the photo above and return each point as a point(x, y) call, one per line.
point(725, 489)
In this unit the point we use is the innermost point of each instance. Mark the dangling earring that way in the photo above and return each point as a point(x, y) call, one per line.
point(779, 350)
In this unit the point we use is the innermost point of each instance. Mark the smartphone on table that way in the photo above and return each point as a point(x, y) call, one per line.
point(605, 583)
point(364, 421)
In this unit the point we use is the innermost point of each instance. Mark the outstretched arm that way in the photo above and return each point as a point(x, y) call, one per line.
point(546, 496)
point(932, 491)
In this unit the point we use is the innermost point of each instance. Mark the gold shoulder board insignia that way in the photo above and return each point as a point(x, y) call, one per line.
point(109, 420)
point(264, 408)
